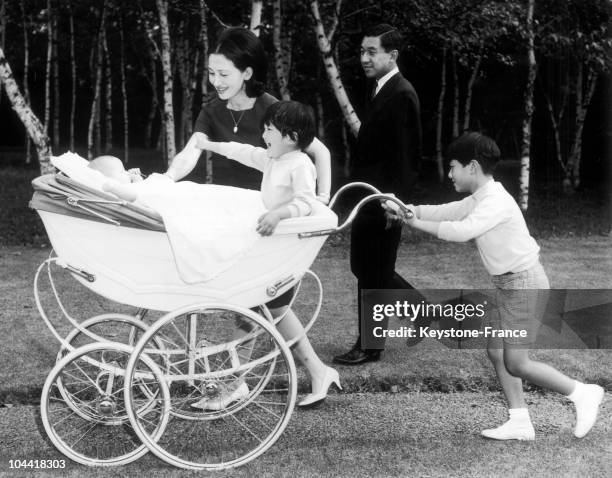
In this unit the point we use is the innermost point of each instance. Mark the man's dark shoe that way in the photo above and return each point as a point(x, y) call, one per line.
point(356, 356)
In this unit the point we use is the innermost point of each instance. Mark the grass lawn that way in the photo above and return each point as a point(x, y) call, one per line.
point(356, 433)
point(29, 348)
point(383, 434)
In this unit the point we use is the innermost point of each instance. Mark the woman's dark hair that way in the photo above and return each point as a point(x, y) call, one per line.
point(244, 49)
point(475, 146)
point(292, 119)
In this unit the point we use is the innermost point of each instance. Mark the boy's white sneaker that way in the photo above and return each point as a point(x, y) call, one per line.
point(511, 430)
point(587, 406)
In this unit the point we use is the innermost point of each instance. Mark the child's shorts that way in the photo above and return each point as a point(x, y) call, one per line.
point(521, 302)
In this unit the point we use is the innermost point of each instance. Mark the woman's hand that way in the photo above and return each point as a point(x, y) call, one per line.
point(268, 222)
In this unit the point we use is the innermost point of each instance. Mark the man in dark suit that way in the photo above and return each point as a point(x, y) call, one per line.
point(387, 156)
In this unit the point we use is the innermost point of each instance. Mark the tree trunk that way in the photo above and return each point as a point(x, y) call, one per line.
point(94, 116)
point(280, 56)
point(3, 17)
point(204, 46)
point(27, 116)
point(162, 7)
point(74, 78)
point(332, 72)
point(56, 89)
point(439, 122)
point(320, 116)
point(126, 129)
point(181, 68)
point(26, 69)
point(204, 82)
point(455, 95)
point(152, 80)
point(108, 143)
point(346, 169)
point(526, 142)
point(48, 68)
point(256, 9)
point(572, 173)
point(470, 88)
point(555, 121)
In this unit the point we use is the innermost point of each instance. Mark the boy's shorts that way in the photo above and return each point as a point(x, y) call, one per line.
point(521, 302)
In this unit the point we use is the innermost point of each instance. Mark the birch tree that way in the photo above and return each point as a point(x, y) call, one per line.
point(440, 117)
point(48, 68)
point(108, 111)
point(73, 71)
point(523, 200)
point(204, 80)
point(26, 70)
point(32, 124)
point(126, 128)
point(333, 74)
point(282, 51)
point(95, 105)
point(168, 121)
point(256, 11)
point(56, 87)
point(575, 37)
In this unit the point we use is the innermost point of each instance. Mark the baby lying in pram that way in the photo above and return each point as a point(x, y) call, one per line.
point(209, 227)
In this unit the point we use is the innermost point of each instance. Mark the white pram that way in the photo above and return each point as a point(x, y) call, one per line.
point(122, 387)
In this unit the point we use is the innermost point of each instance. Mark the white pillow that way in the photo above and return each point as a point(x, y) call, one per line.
point(77, 168)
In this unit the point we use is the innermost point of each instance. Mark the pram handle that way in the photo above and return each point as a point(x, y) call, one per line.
point(349, 220)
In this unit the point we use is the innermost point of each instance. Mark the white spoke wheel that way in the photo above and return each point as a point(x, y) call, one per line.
point(233, 364)
point(120, 328)
point(91, 425)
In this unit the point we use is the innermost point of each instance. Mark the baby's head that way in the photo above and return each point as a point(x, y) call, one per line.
point(111, 167)
point(288, 126)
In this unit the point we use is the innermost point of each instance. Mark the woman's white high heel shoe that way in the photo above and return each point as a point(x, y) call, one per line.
point(313, 399)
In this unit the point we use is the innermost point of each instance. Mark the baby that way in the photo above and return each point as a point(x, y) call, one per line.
point(112, 168)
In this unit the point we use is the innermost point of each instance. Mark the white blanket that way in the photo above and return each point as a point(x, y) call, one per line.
point(210, 227)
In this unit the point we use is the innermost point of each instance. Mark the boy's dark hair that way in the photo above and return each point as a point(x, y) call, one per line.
point(242, 47)
point(390, 37)
point(292, 119)
point(475, 146)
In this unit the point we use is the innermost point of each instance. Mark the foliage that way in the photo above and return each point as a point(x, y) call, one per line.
point(490, 30)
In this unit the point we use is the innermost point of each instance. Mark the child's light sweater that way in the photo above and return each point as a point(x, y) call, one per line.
point(491, 217)
point(287, 181)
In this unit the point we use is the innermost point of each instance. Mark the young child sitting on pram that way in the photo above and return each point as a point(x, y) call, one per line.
point(289, 176)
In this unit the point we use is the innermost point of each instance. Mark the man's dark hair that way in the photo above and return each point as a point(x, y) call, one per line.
point(242, 47)
point(390, 37)
point(475, 146)
point(292, 119)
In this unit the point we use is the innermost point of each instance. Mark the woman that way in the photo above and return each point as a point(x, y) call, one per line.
point(238, 69)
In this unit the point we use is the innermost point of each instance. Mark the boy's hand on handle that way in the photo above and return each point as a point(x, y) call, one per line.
point(394, 212)
point(267, 223)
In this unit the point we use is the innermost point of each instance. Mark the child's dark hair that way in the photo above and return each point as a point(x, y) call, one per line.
point(242, 47)
point(292, 119)
point(475, 146)
point(390, 37)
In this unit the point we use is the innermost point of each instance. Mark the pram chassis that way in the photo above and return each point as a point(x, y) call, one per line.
point(181, 365)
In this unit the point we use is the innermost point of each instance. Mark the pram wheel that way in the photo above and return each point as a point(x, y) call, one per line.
point(232, 385)
point(83, 408)
point(121, 328)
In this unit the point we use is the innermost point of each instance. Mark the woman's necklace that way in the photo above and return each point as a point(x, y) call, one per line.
point(236, 123)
